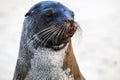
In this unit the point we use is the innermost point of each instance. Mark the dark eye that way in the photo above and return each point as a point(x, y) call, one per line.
point(50, 13)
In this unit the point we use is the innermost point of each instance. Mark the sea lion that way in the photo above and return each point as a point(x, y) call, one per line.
point(45, 49)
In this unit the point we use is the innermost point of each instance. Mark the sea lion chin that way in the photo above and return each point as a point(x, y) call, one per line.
point(45, 49)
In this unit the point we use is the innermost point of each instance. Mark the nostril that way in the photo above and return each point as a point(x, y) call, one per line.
point(68, 20)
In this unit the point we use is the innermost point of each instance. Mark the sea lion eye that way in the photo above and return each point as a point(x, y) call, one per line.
point(50, 13)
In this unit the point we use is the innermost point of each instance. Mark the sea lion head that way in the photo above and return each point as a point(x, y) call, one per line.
point(52, 23)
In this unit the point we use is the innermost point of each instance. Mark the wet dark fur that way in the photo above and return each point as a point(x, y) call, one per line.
point(45, 16)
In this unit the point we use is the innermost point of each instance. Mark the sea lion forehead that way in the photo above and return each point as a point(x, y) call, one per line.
point(44, 6)
point(52, 4)
point(49, 4)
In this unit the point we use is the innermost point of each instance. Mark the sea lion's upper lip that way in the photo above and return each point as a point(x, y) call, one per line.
point(70, 33)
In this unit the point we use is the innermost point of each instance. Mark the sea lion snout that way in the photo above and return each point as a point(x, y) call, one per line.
point(70, 30)
point(71, 26)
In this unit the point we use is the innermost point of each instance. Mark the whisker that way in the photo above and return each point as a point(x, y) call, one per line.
point(45, 39)
point(62, 33)
point(46, 35)
point(51, 30)
point(45, 29)
point(38, 34)
point(48, 38)
point(60, 30)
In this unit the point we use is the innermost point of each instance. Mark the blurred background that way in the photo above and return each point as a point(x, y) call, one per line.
point(98, 51)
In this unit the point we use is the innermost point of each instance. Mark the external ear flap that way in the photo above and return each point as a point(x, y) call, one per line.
point(32, 10)
point(29, 13)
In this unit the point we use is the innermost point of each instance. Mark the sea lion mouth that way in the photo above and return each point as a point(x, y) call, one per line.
point(70, 29)
point(54, 36)
point(59, 36)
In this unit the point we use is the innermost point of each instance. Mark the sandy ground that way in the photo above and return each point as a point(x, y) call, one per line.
point(98, 53)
